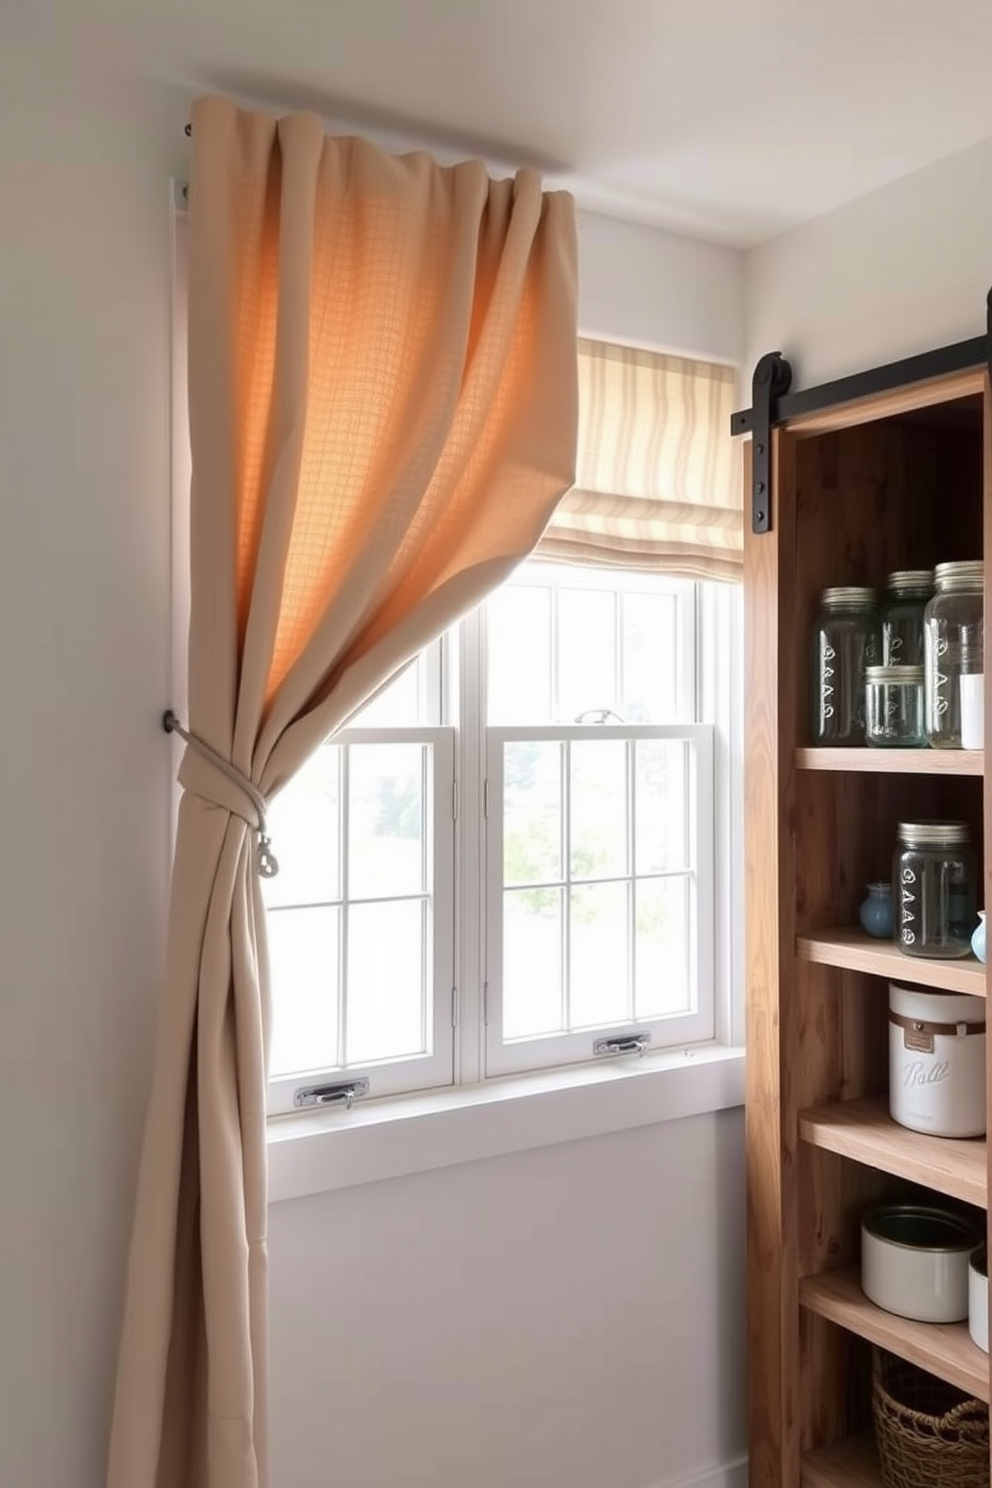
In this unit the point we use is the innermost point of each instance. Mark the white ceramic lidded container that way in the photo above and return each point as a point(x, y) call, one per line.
point(914, 1261)
point(937, 1062)
point(978, 1299)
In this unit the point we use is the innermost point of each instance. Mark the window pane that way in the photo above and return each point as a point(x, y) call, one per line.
point(397, 705)
point(661, 947)
point(303, 957)
point(387, 981)
point(518, 638)
point(387, 804)
point(661, 811)
point(598, 808)
point(650, 652)
point(599, 955)
point(586, 652)
point(532, 812)
point(303, 822)
point(532, 1001)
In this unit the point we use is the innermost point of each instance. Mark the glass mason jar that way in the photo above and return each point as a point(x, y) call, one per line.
point(845, 642)
point(934, 889)
point(894, 707)
point(972, 694)
point(906, 594)
point(952, 622)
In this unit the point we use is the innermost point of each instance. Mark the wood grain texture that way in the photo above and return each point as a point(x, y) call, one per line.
point(863, 1131)
point(855, 499)
point(770, 605)
point(855, 951)
point(892, 761)
point(852, 1463)
point(945, 1349)
point(901, 401)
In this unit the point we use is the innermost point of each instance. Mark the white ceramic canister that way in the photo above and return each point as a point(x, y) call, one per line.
point(937, 1062)
point(914, 1261)
point(978, 1299)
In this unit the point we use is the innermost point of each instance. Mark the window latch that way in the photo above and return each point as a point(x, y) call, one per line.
point(342, 1094)
point(620, 1043)
point(597, 715)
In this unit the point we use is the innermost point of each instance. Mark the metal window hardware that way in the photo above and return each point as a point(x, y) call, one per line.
point(330, 1095)
point(597, 715)
point(620, 1043)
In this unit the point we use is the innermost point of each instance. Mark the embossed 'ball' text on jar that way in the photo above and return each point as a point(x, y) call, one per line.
point(934, 889)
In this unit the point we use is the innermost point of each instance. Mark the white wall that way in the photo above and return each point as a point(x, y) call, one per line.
point(84, 590)
point(650, 288)
point(569, 1316)
point(899, 271)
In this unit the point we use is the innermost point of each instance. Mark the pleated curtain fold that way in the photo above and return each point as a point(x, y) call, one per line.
point(658, 477)
point(383, 404)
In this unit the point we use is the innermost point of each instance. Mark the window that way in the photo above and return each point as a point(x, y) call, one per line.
point(525, 843)
point(507, 861)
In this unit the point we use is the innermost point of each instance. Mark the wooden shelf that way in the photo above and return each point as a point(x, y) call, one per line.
point(864, 1131)
point(944, 1349)
point(893, 761)
point(852, 1463)
point(855, 951)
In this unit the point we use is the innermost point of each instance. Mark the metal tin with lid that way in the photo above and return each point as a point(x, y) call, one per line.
point(894, 707)
point(934, 889)
point(914, 1260)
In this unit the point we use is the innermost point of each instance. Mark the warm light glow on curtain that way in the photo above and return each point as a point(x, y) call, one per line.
point(658, 477)
point(383, 405)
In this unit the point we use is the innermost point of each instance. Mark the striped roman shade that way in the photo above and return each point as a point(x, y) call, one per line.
point(658, 476)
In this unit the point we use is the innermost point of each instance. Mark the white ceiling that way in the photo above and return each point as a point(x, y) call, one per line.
point(724, 119)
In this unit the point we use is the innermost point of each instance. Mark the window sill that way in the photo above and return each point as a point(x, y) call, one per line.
point(316, 1153)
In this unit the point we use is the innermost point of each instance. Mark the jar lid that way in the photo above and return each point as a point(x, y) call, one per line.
point(847, 597)
point(933, 833)
point(960, 575)
point(905, 676)
point(909, 578)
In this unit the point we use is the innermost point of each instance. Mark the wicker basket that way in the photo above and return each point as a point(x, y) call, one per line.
point(929, 1435)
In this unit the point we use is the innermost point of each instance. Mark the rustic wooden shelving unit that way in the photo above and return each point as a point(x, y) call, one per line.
point(897, 478)
point(852, 1463)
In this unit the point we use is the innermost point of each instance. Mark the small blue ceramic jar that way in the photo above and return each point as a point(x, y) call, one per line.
point(875, 913)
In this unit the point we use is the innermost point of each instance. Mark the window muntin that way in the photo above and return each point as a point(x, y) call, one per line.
point(361, 927)
point(599, 899)
point(584, 850)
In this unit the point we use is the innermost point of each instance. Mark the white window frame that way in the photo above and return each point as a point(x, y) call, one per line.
point(510, 1056)
point(536, 574)
point(319, 1151)
point(412, 1072)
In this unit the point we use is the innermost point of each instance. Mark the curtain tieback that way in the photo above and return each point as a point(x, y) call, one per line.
point(251, 809)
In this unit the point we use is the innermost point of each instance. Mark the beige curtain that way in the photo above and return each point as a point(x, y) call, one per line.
point(382, 418)
point(658, 479)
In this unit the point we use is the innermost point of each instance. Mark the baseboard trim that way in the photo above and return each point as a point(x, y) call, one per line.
point(732, 1474)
